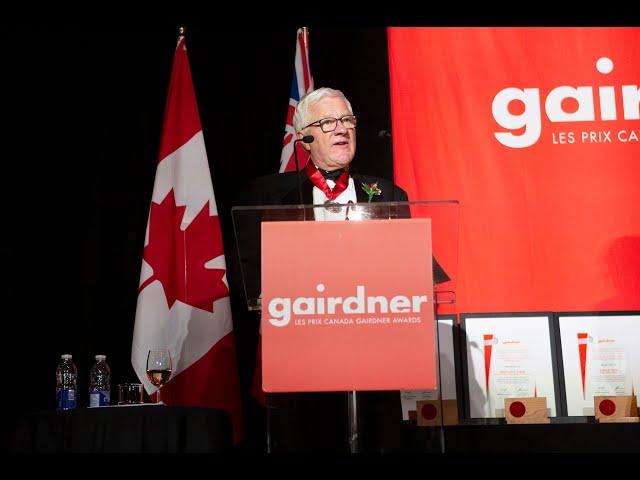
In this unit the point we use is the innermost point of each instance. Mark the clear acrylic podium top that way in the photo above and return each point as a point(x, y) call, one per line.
point(444, 215)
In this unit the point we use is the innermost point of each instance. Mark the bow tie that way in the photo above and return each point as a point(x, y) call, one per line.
point(317, 177)
point(332, 175)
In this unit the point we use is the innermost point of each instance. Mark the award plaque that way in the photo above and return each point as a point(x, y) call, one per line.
point(449, 381)
point(507, 356)
point(599, 358)
point(526, 410)
point(623, 409)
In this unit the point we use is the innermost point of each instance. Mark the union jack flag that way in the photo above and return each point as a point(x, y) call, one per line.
point(301, 84)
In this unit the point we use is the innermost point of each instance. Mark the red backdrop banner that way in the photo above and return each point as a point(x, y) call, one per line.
point(536, 131)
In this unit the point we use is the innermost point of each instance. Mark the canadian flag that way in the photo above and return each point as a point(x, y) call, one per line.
point(183, 297)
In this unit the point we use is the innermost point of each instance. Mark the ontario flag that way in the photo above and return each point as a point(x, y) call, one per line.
point(183, 296)
point(301, 84)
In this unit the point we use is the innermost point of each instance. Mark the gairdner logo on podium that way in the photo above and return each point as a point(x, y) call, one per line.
point(353, 310)
point(280, 309)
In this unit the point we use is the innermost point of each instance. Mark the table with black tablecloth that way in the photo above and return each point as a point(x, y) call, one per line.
point(125, 429)
point(158, 429)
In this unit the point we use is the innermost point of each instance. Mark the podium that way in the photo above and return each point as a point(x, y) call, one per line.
point(348, 306)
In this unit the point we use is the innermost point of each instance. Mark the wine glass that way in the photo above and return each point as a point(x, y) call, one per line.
point(159, 369)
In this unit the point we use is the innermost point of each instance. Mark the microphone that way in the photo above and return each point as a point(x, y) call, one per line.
point(346, 216)
point(384, 134)
point(305, 139)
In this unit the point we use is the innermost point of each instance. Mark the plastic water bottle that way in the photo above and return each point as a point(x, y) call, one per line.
point(66, 383)
point(99, 383)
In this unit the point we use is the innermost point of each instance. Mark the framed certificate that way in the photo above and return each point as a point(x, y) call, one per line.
point(507, 355)
point(598, 356)
point(449, 369)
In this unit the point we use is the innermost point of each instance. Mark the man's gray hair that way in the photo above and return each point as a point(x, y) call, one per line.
point(301, 116)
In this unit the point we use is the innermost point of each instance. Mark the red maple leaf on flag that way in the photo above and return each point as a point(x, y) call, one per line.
point(178, 257)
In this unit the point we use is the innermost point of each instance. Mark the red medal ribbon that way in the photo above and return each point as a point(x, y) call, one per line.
point(318, 180)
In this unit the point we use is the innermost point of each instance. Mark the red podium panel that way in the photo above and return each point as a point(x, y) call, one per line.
point(351, 310)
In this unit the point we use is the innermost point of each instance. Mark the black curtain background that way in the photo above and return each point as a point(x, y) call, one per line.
point(82, 115)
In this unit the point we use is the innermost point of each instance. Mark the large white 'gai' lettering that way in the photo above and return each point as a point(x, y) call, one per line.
point(531, 118)
point(280, 308)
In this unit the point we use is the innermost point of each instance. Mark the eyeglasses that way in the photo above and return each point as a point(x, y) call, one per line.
point(329, 124)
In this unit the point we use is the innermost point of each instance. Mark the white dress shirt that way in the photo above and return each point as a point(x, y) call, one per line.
point(319, 198)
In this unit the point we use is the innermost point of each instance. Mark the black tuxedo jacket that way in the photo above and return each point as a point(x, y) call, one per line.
point(282, 189)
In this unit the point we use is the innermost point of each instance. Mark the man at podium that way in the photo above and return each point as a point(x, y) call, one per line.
point(319, 421)
point(326, 126)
